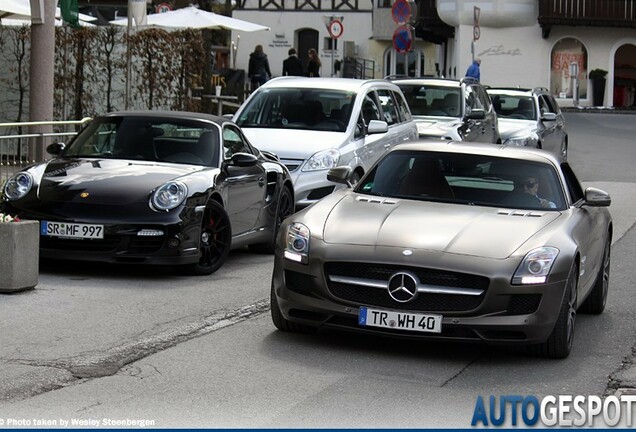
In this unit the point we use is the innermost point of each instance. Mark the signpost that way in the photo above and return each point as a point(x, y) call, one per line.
point(476, 30)
point(335, 29)
point(401, 11)
point(402, 39)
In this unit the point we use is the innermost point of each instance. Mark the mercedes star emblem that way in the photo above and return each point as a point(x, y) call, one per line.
point(403, 286)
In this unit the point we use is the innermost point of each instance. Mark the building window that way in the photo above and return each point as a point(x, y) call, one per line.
point(328, 44)
point(568, 55)
point(385, 3)
point(409, 64)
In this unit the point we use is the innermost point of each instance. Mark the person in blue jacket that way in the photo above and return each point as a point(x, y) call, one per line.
point(473, 69)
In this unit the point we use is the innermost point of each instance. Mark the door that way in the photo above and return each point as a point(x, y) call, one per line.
point(307, 39)
point(246, 186)
point(552, 130)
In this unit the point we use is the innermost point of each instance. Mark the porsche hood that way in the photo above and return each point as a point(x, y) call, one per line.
point(106, 181)
point(431, 226)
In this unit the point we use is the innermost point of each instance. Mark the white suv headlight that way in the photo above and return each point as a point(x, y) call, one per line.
point(535, 267)
point(169, 195)
point(18, 186)
point(527, 141)
point(297, 247)
point(323, 160)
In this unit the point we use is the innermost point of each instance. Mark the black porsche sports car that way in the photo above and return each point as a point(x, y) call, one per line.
point(156, 187)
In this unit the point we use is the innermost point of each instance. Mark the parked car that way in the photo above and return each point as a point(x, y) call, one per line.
point(169, 188)
point(449, 241)
point(530, 118)
point(316, 124)
point(450, 109)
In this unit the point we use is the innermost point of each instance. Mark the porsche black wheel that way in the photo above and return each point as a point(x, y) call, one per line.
point(284, 208)
point(283, 324)
point(215, 241)
point(559, 344)
point(595, 302)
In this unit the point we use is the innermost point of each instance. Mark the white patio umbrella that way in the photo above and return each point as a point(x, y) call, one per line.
point(21, 10)
point(191, 17)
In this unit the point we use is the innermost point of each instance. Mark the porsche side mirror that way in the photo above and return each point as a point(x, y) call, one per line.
point(340, 174)
point(597, 198)
point(548, 116)
point(243, 159)
point(377, 127)
point(55, 149)
point(477, 114)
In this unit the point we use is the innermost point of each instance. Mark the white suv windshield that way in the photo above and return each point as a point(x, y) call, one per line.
point(294, 108)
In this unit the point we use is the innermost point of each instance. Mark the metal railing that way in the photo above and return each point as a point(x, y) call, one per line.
point(19, 150)
point(607, 13)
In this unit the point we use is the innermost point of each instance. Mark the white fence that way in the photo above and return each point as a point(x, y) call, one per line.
point(18, 149)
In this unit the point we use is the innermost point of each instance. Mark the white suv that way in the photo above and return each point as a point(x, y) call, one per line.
point(315, 124)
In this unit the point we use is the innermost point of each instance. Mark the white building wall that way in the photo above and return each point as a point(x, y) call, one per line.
point(281, 37)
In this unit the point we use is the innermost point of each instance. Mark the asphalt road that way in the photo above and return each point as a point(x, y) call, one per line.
point(96, 343)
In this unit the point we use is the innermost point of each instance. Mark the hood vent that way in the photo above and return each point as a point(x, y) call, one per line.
point(375, 200)
point(522, 213)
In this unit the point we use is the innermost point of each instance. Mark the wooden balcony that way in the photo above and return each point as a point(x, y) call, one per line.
point(591, 13)
point(429, 25)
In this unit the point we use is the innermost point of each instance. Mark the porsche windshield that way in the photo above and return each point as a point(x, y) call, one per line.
point(295, 108)
point(466, 179)
point(172, 140)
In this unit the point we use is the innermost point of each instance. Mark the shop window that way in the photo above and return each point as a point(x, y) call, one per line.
point(568, 55)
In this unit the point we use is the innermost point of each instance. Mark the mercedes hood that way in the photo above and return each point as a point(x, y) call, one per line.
point(466, 230)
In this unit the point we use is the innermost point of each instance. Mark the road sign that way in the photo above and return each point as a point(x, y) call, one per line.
point(163, 7)
point(402, 39)
point(401, 11)
point(476, 13)
point(476, 33)
point(335, 28)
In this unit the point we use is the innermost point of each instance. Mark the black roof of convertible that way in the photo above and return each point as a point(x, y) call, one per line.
point(166, 113)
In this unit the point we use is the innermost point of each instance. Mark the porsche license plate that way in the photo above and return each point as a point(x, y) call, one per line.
point(400, 320)
point(71, 230)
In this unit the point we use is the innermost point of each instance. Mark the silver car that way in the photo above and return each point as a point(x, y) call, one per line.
point(530, 118)
point(449, 241)
point(315, 124)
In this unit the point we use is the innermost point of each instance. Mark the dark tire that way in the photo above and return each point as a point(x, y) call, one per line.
point(284, 208)
point(215, 240)
point(355, 178)
point(596, 300)
point(285, 325)
point(559, 344)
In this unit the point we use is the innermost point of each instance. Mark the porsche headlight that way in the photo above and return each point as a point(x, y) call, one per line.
point(323, 160)
point(297, 247)
point(18, 186)
point(526, 141)
point(535, 267)
point(169, 195)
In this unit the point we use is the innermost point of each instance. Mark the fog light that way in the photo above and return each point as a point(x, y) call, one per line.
point(173, 242)
point(150, 233)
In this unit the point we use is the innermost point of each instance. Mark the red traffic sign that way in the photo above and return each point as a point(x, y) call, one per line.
point(476, 33)
point(163, 7)
point(335, 28)
point(401, 11)
point(402, 39)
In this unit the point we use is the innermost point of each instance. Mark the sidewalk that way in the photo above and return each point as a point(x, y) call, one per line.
point(601, 110)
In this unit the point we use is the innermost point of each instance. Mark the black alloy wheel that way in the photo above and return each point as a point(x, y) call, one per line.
point(215, 240)
point(559, 344)
point(284, 208)
point(596, 300)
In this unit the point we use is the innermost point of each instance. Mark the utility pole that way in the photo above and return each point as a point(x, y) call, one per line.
point(41, 76)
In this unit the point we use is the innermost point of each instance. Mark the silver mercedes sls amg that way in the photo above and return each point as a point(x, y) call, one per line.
point(449, 241)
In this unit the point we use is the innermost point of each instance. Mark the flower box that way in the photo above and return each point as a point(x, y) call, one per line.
point(20, 252)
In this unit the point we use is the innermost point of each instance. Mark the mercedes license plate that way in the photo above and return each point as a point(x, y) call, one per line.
point(400, 320)
point(71, 230)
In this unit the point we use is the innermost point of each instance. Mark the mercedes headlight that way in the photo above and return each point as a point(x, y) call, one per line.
point(526, 141)
point(323, 160)
point(18, 186)
point(535, 267)
point(169, 195)
point(297, 247)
